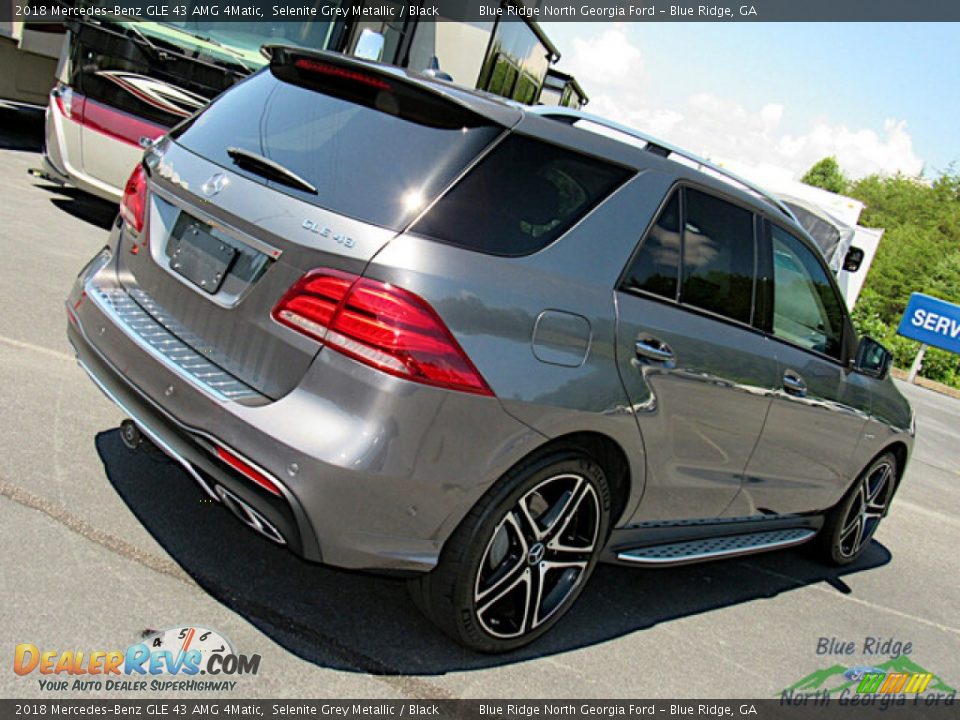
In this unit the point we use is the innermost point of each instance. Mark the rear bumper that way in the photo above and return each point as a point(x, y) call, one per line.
point(375, 472)
point(191, 452)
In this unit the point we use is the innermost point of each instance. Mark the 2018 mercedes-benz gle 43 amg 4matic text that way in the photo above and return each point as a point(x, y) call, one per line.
point(399, 326)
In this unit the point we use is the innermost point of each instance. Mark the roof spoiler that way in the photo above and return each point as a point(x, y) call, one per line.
point(383, 87)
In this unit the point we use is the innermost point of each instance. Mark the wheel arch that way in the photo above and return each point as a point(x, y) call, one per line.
point(607, 453)
point(901, 453)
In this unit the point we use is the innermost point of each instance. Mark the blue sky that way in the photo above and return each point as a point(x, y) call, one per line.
point(882, 96)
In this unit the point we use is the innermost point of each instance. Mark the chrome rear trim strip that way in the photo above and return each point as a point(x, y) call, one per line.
point(151, 335)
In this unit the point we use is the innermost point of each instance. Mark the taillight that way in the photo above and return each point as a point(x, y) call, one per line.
point(380, 325)
point(64, 97)
point(134, 203)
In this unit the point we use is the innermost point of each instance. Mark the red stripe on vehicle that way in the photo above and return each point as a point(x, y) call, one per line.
point(144, 97)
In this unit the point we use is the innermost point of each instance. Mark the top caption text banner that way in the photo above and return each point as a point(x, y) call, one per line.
point(491, 10)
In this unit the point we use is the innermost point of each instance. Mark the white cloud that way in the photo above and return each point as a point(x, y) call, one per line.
point(611, 70)
point(608, 58)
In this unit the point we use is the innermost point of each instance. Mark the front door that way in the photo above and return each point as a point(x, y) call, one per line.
point(821, 407)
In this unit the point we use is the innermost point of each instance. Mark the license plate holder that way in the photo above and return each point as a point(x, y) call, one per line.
point(198, 255)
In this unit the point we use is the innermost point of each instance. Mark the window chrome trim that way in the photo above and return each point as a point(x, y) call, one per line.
point(701, 163)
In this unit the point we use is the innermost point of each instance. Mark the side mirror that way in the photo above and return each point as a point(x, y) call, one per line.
point(433, 70)
point(873, 358)
point(853, 259)
point(369, 45)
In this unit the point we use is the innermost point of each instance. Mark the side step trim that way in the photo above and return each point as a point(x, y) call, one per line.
point(151, 434)
point(715, 548)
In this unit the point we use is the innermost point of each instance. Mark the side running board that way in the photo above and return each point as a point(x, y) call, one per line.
point(715, 548)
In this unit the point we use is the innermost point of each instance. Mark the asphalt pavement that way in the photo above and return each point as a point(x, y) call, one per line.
point(103, 545)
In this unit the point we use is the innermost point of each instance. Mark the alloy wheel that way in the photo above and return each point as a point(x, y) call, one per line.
point(866, 510)
point(537, 556)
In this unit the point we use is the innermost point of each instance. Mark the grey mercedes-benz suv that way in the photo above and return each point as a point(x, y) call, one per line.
point(399, 326)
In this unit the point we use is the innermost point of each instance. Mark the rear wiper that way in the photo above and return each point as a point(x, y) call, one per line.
point(269, 169)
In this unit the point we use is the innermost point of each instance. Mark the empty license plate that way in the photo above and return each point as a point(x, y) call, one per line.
point(198, 255)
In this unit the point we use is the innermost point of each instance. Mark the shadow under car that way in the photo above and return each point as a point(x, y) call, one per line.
point(359, 622)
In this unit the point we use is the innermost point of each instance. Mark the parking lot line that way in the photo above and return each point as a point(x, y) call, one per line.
point(36, 348)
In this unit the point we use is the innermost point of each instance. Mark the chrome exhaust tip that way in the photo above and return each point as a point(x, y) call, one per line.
point(248, 516)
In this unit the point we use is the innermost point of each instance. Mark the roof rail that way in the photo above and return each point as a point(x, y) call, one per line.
point(655, 144)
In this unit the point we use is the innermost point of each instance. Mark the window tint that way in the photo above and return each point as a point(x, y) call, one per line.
point(718, 256)
point(806, 310)
point(656, 266)
point(520, 198)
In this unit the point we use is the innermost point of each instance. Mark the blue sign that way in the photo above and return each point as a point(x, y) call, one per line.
point(932, 321)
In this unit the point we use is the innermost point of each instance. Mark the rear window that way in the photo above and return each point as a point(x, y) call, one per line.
point(520, 198)
point(375, 149)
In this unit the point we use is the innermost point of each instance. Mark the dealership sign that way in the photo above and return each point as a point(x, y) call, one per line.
point(932, 321)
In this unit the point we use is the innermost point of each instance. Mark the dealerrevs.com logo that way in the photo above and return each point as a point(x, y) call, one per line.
point(168, 660)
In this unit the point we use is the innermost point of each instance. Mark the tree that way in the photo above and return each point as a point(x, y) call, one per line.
point(826, 174)
point(920, 252)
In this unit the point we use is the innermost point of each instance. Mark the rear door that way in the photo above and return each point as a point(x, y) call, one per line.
point(228, 237)
point(821, 406)
point(698, 374)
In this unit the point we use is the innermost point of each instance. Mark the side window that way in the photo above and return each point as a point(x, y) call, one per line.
point(718, 256)
point(806, 310)
point(520, 198)
point(655, 267)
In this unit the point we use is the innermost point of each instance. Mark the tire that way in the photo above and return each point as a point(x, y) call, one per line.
point(522, 556)
point(851, 523)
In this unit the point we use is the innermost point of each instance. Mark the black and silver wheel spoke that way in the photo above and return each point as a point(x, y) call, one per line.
point(537, 556)
point(559, 540)
point(503, 567)
point(851, 536)
point(866, 510)
point(875, 488)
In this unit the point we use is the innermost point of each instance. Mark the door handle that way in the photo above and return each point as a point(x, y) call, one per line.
point(653, 349)
point(793, 384)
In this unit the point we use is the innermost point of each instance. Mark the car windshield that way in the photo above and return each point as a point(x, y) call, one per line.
point(249, 36)
point(237, 39)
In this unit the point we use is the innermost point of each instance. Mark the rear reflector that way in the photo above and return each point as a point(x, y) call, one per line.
point(246, 470)
point(134, 203)
point(380, 325)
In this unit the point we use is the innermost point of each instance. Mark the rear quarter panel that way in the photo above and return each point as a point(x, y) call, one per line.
point(491, 305)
